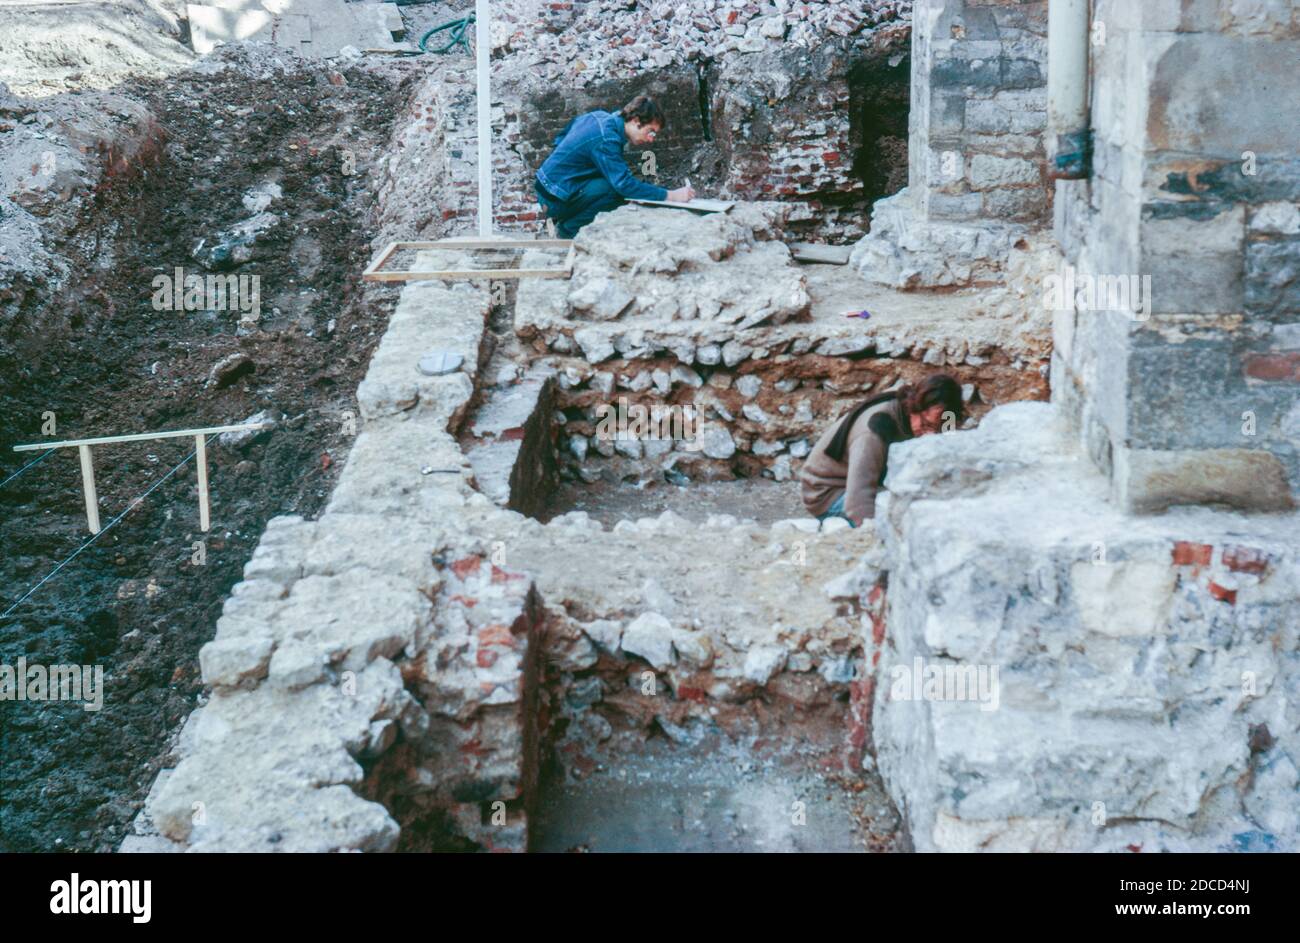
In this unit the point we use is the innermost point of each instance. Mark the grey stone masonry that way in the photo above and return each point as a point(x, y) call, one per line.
point(1058, 676)
point(1182, 376)
point(979, 110)
point(976, 162)
point(372, 667)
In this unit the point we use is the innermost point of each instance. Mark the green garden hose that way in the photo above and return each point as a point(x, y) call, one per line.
point(458, 30)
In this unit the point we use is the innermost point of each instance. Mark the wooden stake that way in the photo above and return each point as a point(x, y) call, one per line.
point(88, 485)
point(201, 461)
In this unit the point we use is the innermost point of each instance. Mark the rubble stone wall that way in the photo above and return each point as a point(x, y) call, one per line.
point(691, 628)
point(1143, 670)
point(375, 653)
point(393, 675)
point(669, 310)
point(761, 417)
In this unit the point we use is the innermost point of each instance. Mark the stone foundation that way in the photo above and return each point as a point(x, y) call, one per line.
point(1147, 668)
point(373, 652)
point(667, 311)
point(401, 669)
point(908, 252)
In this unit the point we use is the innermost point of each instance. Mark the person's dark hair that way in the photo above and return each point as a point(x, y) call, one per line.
point(936, 389)
point(645, 110)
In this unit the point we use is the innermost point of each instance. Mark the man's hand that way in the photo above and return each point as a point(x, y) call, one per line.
point(681, 195)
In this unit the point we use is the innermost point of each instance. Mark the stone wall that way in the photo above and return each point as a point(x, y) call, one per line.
point(1143, 671)
point(752, 639)
point(374, 676)
point(760, 417)
point(976, 163)
point(979, 110)
point(1195, 397)
point(394, 675)
point(816, 117)
point(671, 310)
point(1058, 674)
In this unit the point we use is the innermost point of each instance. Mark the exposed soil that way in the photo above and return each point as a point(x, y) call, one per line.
point(718, 796)
point(105, 363)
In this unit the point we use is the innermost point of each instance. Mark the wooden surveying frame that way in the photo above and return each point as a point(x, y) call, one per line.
point(376, 273)
point(88, 471)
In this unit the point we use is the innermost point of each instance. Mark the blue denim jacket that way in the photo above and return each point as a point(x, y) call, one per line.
point(592, 145)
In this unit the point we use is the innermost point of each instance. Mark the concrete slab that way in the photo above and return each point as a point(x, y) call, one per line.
point(333, 26)
point(815, 252)
point(309, 27)
point(292, 31)
point(379, 19)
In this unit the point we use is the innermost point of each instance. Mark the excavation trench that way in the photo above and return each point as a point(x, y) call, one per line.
point(723, 715)
point(701, 688)
point(455, 655)
point(658, 651)
point(708, 666)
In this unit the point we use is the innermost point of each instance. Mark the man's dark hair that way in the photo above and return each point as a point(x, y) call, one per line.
point(935, 390)
point(645, 110)
point(938, 389)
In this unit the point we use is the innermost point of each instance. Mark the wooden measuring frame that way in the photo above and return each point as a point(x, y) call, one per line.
point(376, 273)
point(88, 468)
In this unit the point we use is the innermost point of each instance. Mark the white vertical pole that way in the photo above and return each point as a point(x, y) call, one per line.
point(483, 52)
point(201, 461)
point(88, 486)
point(1067, 88)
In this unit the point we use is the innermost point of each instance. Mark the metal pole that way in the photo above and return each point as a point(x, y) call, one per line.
point(88, 486)
point(201, 461)
point(482, 53)
point(140, 436)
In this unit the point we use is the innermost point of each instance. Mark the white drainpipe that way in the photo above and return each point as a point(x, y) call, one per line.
point(1068, 132)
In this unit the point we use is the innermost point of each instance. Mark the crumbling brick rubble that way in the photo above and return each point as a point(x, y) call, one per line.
point(582, 42)
point(813, 112)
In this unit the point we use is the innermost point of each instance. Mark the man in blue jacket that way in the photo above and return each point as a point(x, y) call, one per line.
point(587, 174)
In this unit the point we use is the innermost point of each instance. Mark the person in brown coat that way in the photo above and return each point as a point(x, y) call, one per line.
point(847, 465)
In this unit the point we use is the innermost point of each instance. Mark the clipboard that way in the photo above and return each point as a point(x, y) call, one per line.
point(699, 206)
